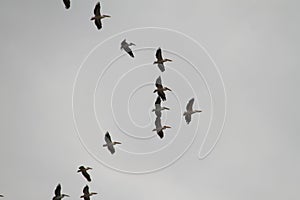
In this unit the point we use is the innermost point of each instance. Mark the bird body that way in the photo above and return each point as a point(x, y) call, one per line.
point(126, 47)
point(189, 111)
point(67, 3)
point(159, 128)
point(160, 89)
point(160, 60)
point(86, 194)
point(58, 194)
point(109, 143)
point(97, 16)
point(84, 172)
point(158, 107)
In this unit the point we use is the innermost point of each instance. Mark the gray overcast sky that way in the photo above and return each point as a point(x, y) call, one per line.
point(254, 43)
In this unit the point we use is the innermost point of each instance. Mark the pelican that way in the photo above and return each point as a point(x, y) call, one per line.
point(86, 194)
point(190, 111)
point(67, 4)
point(84, 172)
point(160, 60)
point(158, 107)
point(126, 47)
point(160, 89)
point(98, 16)
point(109, 144)
point(58, 195)
point(159, 128)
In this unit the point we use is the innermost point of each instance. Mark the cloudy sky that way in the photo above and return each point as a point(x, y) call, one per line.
point(51, 57)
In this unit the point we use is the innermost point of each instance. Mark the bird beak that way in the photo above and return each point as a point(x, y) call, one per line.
point(167, 108)
point(78, 171)
point(67, 195)
point(168, 127)
point(168, 89)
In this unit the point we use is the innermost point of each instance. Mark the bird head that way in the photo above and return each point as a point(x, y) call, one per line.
point(88, 168)
point(166, 108)
point(106, 16)
point(131, 44)
point(117, 143)
point(65, 195)
point(167, 127)
point(168, 89)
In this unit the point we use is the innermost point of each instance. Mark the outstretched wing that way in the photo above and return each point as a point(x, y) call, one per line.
point(87, 176)
point(189, 106)
point(161, 67)
point(158, 123)
point(67, 4)
point(158, 82)
point(57, 191)
point(86, 190)
point(97, 9)
point(162, 95)
point(160, 134)
point(107, 138)
point(158, 101)
point(158, 54)
point(111, 148)
point(98, 23)
point(129, 51)
point(188, 118)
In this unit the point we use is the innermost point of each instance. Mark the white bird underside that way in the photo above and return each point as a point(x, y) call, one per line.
point(190, 111)
point(125, 46)
point(109, 144)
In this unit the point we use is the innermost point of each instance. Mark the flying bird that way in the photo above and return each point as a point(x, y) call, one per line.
point(159, 128)
point(160, 89)
point(126, 47)
point(84, 172)
point(160, 60)
point(158, 107)
point(98, 16)
point(109, 144)
point(67, 4)
point(58, 195)
point(86, 194)
point(190, 111)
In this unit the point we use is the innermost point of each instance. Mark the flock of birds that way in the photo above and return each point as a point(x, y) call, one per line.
point(58, 195)
point(160, 90)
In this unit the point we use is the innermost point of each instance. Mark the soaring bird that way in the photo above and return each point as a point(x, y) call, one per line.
point(190, 111)
point(84, 172)
point(160, 89)
point(158, 107)
point(98, 16)
point(160, 60)
point(109, 144)
point(159, 128)
point(58, 195)
point(67, 4)
point(86, 194)
point(126, 47)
